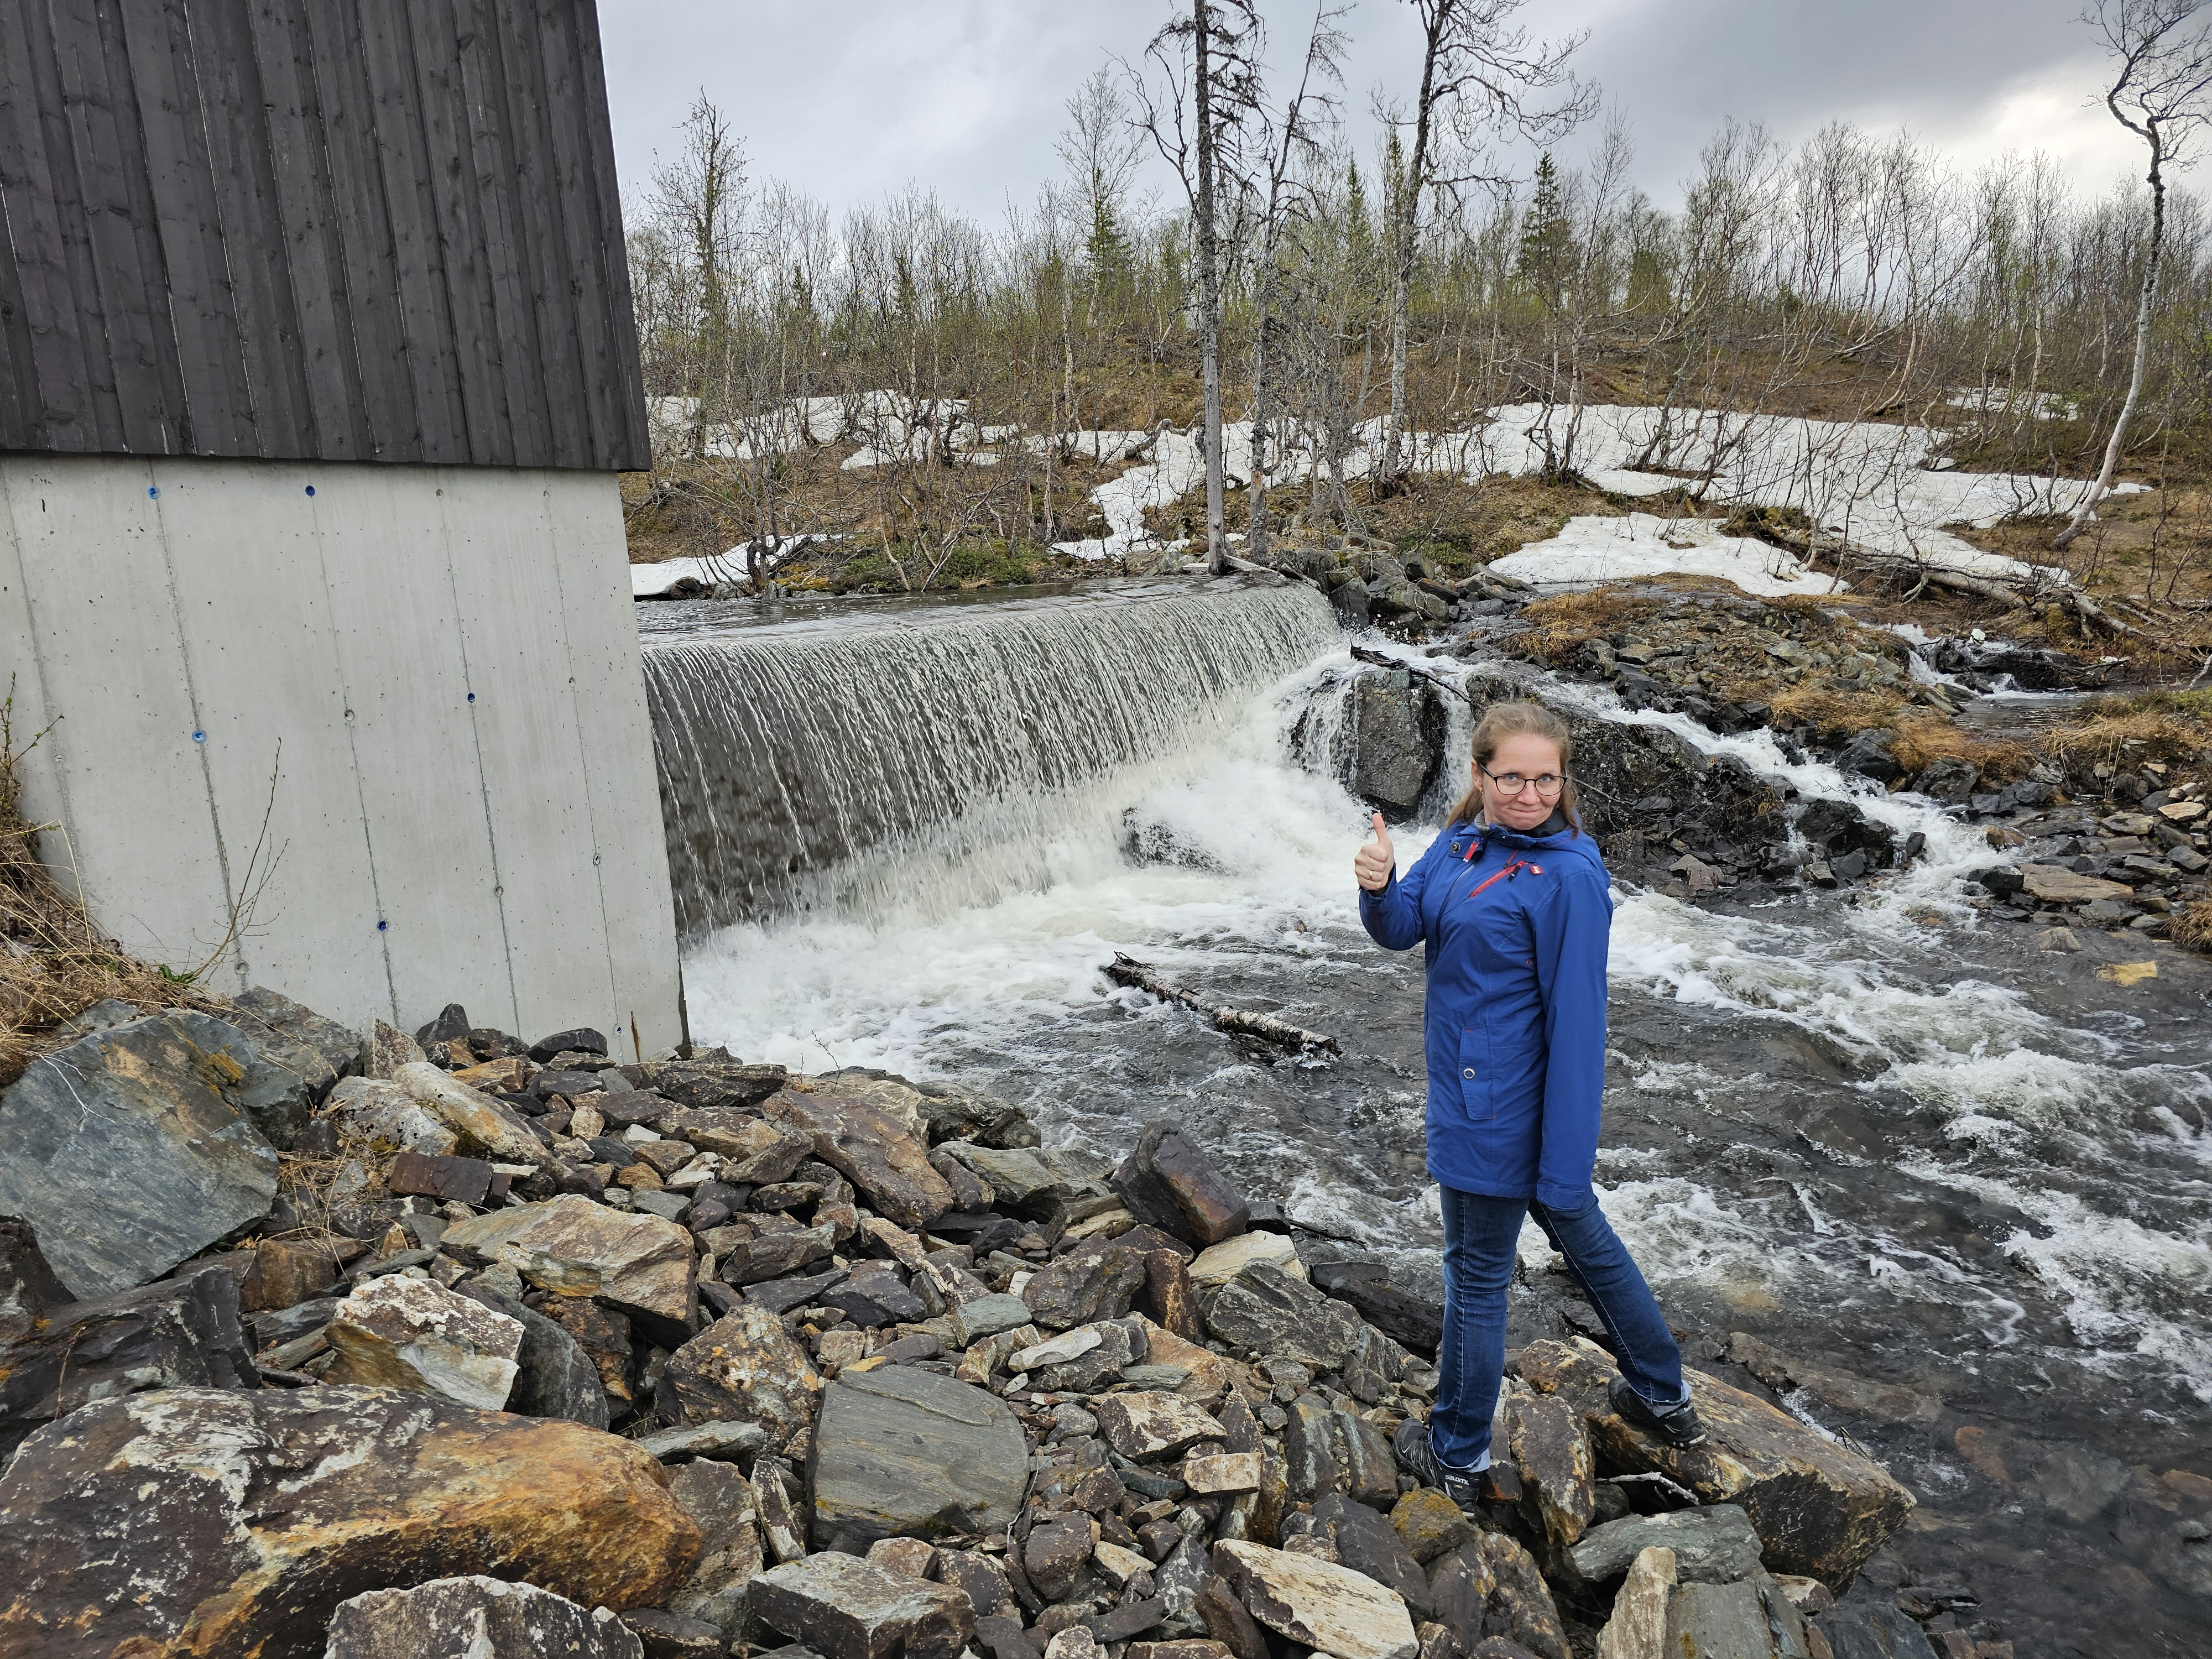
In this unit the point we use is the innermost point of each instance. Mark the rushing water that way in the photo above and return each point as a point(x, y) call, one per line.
point(1884, 1137)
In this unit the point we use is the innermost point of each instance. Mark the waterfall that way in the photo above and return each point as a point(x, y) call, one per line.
point(923, 759)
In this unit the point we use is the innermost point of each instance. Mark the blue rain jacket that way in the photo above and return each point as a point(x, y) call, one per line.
point(1516, 927)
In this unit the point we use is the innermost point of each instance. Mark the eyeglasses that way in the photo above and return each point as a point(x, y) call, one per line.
point(1547, 784)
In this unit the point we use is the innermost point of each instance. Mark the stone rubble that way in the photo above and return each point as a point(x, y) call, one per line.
point(730, 1358)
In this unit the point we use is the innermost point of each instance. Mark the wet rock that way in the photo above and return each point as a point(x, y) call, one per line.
point(843, 1609)
point(2055, 884)
point(1552, 1451)
point(1714, 1545)
point(1317, 1603)
point(1890, 1401)
point(1083, 1289)
point(1404, 1316)
point(137, 1146)
point(1871, 1632)
point(719, 1501)
point(299, 1039)
point(572, 1247)
point(1491, 1586)
point(1141, 1425)
point(710, 1085)
point(871, 1149)
point(1429, 1524)
point(1265, 1310)
point(1389, 748)
point(482, 1126)
point(1754, 1619)
point(1329, 1450)
point(1637, 1627)
point(400, 1332)
point(744, 1368)
point(899, 1451)
point(474, 1617)
point(1818, 1508)
point(1168, 1181)
point(554, 1376)
point(1868, 754)
point(1950, 779)
point(274, 1506)
point(176, 1332)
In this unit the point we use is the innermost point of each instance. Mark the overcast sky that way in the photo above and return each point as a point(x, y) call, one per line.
point(849, 100)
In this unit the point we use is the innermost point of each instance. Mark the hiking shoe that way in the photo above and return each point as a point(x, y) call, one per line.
point(1678, 1426)
point(1419, 1459)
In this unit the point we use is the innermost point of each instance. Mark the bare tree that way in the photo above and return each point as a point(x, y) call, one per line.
point(2159, 93)
point(1480, 73)
point(1211, 58)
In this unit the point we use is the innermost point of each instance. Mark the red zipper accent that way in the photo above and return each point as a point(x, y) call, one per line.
point(1514, 868)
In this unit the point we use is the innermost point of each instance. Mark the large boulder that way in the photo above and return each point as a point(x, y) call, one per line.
point(744, 1368)
point(483, 1127)
point(1168, 1182)
point(395, 1332)
point(138, 1146)
point(721, 1499)
point(201, 1520)
point(1821, 1509)
point(843, 1608)
point(181, 1332)
point(28, 1288)
point(380, 1112)
point(906, 1452)
point(1317, 1604)
point(1390, 748)
point(475, 1618)
point(870, 1148)
point(572, 1247)
point(1491, 1588)
point(295, 1037)
point(1713, 1544)
point(1266, 1310)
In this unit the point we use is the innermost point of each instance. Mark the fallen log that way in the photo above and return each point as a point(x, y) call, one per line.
point(1128, 970)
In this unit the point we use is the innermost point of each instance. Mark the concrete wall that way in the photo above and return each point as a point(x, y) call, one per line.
point(440, 666)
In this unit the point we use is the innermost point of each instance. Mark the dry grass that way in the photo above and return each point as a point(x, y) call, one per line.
point(2167, 726)
point(1561, 622)
point(1923, 739)
point(2192, 926)
point(1835, 714)
point(54, 961)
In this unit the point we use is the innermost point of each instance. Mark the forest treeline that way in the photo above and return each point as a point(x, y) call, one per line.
point(1854, 276)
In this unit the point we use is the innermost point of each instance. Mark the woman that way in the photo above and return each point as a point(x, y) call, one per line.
point(1513, 904)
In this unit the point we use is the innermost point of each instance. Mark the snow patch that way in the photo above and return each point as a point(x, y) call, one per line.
point(1601, 550)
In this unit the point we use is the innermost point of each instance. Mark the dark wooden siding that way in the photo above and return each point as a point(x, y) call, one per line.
point(360, 230)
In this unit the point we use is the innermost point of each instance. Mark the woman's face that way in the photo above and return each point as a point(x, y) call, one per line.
point(1531, 757)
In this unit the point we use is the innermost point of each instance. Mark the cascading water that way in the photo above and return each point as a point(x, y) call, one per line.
point(924, 761)
point(1886, 1138)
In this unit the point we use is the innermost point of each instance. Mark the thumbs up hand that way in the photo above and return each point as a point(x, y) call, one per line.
point(1375, 861)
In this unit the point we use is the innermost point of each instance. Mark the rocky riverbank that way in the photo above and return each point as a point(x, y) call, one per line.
point(310, 1345)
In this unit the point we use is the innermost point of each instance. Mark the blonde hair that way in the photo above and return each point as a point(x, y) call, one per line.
point(1502, 721)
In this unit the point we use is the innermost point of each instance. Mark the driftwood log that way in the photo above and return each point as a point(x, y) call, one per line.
point(1128, 970)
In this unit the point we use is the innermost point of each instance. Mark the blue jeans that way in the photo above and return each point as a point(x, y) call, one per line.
point(1480, 1236)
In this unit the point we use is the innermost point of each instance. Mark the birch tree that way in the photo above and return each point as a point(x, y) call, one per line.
point(2158, 93)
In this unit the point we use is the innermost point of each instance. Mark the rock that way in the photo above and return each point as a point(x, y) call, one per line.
point(134, 1147)
point(604, 1337)
point(299, 1039)
point(1367, 1543)
point(903, 1557)
point(982, 1579)
point(782, 1536)
point(509, 1075)
point(1229, 1473)
point(1891, 1401)
point(175, 1333)
point(1551, 1451)
point(483, 1127)
point(474, 1617)
point(1265, 1310)
point(1404, 1316)
point(1868, 754)
point(400, 1332)
point(1871, 1632)
point(450, 1179)
point(554, 1376)
point(874, 1295)
point(1753, 1619)
point(1638, 1628)
point(744, 1368)
point(382, 1112)
point(1141, 1425)
point(1950, 779)
point(388, 1049)
point(583, 1040)
point(1317, 1603)
point(1055, 1552)
point(1714, 1545)
point(987, 1317)
point(771, 1255)
point(1389, 750)
point(1023, 1180)
point(899, 1451)
point(1075, 1642)
point(1429, 1524)
point(1217, 1264)
point(1168, 1181)
point(1820, 1509)
point(1227, 1622)
point(1081, 1289)
point(843, 1608)
point(573, 1246)
point(711, 1085)
point(274, 1506)
point(28, 1288)
point(2054, 884)
point(719, 1500)
point(871, 1149)
point(666, 1635)
point(1493, 1584)
point(1327, 1451)
point(1168, 1297)
point(1099, 1365)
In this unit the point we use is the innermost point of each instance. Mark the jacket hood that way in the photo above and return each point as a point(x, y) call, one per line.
point(1567, 842)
